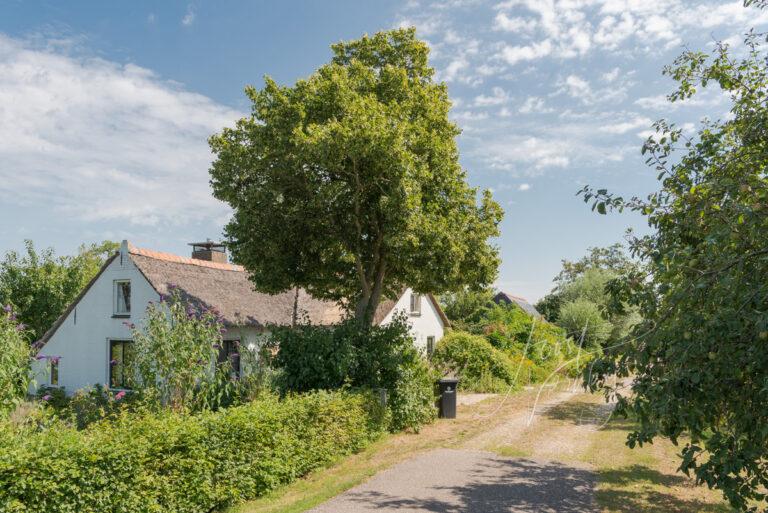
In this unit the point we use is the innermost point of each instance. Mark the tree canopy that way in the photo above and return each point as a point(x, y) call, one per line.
point(348, 182)
point(698, 359)
point(581, 301)
point(39, 286)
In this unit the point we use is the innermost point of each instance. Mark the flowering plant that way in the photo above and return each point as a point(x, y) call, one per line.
point(175, 352)
point(15, 359)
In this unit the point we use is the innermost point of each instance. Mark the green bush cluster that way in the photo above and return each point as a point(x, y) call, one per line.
point(480, 366)
point(507, 348)
point(174, 462)
point(329, 357)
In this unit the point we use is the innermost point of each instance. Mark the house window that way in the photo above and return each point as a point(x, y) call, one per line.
point(430, 345)
point(415, 304)
point(120, 357)
point(230, 351)
point(122, 297)
point(54, 372)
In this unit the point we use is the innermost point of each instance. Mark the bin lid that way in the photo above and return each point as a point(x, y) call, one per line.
point(449, 381)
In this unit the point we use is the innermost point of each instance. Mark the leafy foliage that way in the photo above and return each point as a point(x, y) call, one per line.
point(699, 356)
point(360, 159)
point(582, 318)
point(40, 286)
point(175, 353)
point(479, 366)
point(467, 308)
point(581, 301)
point(15, 357)
point(329, 357)
point(178, 462)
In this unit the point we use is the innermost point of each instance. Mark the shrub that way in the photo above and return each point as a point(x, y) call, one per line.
point(582, 318)
point(328, 357)
point(173, 462)
point(15, 357)
point(479, 366)
point(174, 354)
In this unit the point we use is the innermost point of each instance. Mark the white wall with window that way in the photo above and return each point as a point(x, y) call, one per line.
point(85, 341)
point(427, 327)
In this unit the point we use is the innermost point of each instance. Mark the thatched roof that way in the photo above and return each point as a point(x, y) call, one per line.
point(226, 288)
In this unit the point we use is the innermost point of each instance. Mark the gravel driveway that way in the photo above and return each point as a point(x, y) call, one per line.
point(468, 481)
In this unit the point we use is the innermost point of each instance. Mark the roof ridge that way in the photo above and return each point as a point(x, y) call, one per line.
point(170, 257)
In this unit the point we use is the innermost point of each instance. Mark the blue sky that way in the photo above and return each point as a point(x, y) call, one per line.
point(105, 108)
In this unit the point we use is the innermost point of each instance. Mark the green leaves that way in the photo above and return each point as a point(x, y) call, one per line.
point(697, 359)
point(40, 285)
point(15, 357)
point(173, 462)
point(348, 183)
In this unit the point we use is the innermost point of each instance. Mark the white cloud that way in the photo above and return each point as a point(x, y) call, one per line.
point(514, 54)
point(525, 155)
point(612, 75)
point(524, 187)
point(499, 97)
point(534, 104)
point(468, 115)
point(189, 16)
point(626, 126)
point(514, 24)
point(453, 70)
point(579, 88)
point(94, 140)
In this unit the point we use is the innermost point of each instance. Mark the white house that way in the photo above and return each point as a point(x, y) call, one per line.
point(85, 346)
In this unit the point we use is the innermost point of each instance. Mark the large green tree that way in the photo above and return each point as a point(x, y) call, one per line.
point(348, 183)
point(699, 359)
point(39, 285)
point(581, 301)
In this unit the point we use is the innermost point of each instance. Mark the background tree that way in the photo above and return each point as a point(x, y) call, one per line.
point(348, 183)
point(468, 308)
point(581, 298)
point(40, 285)
point(699, 357)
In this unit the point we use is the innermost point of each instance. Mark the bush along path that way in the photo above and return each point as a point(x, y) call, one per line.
point(569, 456)
point(170, 462)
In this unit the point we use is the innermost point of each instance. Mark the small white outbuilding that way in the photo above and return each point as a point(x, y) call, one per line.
point(87, 343)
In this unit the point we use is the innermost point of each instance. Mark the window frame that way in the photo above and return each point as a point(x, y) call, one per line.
point(415, 309)
point(228, 347)
point(430, 345)
point(53, 373)
point(116, 312)
point(111, 368)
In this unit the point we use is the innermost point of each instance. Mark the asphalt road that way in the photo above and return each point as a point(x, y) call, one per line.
point(467, 481)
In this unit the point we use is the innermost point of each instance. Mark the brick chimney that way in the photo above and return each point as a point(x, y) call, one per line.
point(210, 251)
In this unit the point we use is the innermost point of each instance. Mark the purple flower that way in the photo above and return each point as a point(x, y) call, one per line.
point(113, 362)
point(234, 355)
point(223, 330)
point(12, 316)
point(40, 357)
point(120, 395)
point(21, 326)
point(8, 308)
point(47, 397)
point(217, 346)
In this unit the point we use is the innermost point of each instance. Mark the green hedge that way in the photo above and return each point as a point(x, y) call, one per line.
point(182, 463)
point(479, 366)
point(328, 357)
